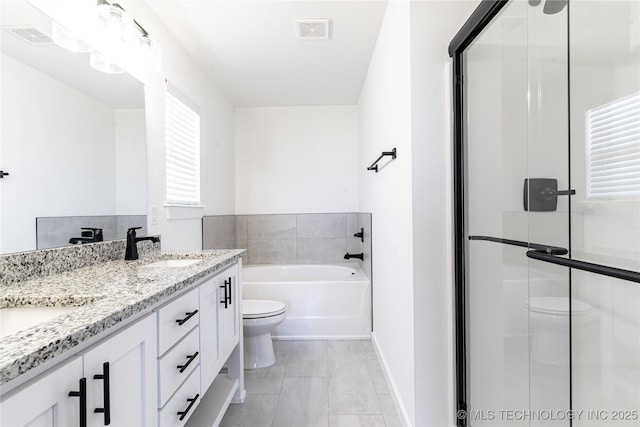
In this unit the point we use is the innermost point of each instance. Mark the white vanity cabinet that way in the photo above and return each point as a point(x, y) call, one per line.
point(113, 383)
point(220, 344)
point(178, 359)
point(191, 355)
point(220, 321)
point(121, 378)
point(46, 402)
point(229, 310)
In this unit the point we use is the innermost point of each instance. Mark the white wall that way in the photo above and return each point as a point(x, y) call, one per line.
point(58, 145)
point(385, 122)
point(217, 138)
point(405, 102)
point(297, 159)
point(433, 25)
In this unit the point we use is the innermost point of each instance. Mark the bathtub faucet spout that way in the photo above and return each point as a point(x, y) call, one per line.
point(360, 256)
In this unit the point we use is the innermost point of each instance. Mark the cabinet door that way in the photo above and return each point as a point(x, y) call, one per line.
point(210, 360)
point(46, 402)
point(131, 396)
point(229, 314)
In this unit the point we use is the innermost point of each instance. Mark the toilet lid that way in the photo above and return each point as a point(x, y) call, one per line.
point(256, 308)
point(558, 306)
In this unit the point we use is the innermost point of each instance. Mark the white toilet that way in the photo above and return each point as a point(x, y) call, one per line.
point(549, 327)
point(259, 317)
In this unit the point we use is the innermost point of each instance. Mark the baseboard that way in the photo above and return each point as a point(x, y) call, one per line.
point(318, 337)
point(402, 411)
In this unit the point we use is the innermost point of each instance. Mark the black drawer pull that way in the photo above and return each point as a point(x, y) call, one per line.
point(106, 410)
point(180, 322)
point(225, 300)
point(228, 295)
point(82, 394)
point(191, 359)
point(186, 411)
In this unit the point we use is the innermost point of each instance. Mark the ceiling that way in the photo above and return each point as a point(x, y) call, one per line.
point(251, 49)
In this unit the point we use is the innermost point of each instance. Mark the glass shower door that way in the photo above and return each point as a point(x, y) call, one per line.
point(496, 144)
point(546, 198)
point(551, 221)
point(605, 228)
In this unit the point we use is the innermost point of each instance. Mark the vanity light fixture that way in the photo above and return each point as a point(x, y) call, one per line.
point(125, 35)
point(120, 37)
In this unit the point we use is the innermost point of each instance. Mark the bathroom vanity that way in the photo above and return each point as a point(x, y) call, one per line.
point(148, 342)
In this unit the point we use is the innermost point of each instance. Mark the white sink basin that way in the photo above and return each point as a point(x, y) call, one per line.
point(172, 263)
point(16, 319)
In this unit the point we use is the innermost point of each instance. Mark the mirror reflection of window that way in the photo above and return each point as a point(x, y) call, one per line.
point(613, 149)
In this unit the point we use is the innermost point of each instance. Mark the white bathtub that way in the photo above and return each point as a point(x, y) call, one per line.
point(323, 301)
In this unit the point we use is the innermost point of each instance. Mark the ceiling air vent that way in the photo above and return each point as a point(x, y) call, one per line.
point(30, 35)
point(312, 29)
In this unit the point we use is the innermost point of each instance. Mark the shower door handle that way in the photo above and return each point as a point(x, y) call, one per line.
point(603, 270)
point(541, 194)
point(553, 250)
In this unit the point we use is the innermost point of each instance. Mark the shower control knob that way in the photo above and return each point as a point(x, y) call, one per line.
point(3, 174)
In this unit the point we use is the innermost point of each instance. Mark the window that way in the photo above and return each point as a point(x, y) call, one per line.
point(613, 149)
point(183, 152)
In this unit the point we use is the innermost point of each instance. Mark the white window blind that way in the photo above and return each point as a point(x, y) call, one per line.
point(613, 149)
point(183, 152)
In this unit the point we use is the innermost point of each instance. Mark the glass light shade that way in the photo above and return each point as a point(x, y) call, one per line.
point(102, 63)
point(66, 40)
point(117, 24)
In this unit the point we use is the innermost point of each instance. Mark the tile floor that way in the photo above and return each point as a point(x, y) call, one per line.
point(316, 383)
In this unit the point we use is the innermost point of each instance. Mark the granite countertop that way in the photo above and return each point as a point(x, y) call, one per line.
point(106, 294)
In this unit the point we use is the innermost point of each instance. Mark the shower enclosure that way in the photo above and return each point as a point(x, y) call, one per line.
point(547, 213)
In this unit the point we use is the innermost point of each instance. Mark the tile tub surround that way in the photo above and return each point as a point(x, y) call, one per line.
point(21, 266)
point(113, 291)
point(55, 231)
point(291, 238)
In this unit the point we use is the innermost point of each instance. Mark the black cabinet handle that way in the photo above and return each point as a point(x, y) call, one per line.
point(191, 359)
point(186, 411)
point(106, 409)
point(82, 394)
point(180, 322)
point(225, 300)
point(228, 283)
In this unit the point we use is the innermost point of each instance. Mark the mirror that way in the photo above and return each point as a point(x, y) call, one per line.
point(73, 140)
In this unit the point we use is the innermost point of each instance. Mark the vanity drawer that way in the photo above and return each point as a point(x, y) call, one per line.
point(176, 319)
point(181, 401)
point(185, 357)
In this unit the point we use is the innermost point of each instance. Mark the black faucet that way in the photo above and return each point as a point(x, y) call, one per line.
point(90, 235)
point(132, 243)
point(360, 256)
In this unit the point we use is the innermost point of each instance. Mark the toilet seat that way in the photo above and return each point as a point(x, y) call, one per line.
point(557, 306)
point(258, 309)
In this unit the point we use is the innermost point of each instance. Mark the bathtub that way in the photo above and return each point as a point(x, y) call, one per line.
point(323, 301)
